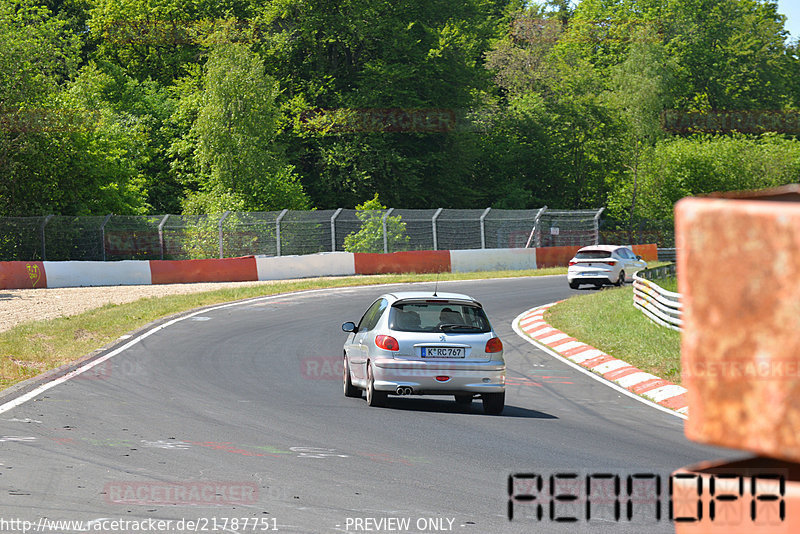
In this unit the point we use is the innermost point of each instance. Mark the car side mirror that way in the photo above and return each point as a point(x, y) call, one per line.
point(638, 257)
point(349, 326)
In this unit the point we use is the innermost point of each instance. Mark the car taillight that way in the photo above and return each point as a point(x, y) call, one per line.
point(572, 263)
point(387, 343)
point(494, 345)
point(611, 263)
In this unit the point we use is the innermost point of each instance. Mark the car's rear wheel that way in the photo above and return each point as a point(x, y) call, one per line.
point(621, 278)
point(574, 285)
point(493, 403)
point(374, 398)
point(349, 389)
point(464, 399)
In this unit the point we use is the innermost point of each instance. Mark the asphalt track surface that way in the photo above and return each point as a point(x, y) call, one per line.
point(248, 398)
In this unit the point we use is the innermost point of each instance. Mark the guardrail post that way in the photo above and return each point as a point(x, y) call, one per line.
point(219, 227)
point(385, 236)
point(161, 234)
point(44, 223)
point(333, 229)
point(103, 234)
point(536, 219)
point(597, 226)
point(278, 232)
point(483, 227)
point(433, 224)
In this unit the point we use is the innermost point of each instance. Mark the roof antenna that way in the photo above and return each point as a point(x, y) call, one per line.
point(436, 287)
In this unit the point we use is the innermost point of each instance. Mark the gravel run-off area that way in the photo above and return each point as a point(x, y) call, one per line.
point(23, 305)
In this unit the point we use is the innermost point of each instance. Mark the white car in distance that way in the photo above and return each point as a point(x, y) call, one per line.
point(600, 265)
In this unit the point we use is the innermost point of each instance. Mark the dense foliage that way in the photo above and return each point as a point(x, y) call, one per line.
point(154, 106)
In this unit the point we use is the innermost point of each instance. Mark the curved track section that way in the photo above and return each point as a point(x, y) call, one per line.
point(238, 413)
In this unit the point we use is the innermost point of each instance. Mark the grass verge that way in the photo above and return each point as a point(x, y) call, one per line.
point(606, 319)
point(34, 347)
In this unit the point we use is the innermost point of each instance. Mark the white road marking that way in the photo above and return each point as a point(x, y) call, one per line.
point(609, 366)
point(635, 378)
point(665, 392)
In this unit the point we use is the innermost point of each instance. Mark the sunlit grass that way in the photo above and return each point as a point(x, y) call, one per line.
point(606, 319)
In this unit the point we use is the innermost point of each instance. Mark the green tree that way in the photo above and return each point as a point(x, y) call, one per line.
point(241, 167)
point(548, 137)
point(680, 167)
point(731, 53)
point(641, 93)
point(364, 56)
point(369, 238)
point(161, 39)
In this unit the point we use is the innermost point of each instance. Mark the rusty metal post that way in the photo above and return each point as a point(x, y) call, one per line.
point(738, 270)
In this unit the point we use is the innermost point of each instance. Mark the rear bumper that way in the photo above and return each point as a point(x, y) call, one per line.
point(596, 280)
point(480, 377)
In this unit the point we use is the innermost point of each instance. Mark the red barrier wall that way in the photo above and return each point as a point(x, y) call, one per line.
point(555, 256)
point(22, 275)
point(647, 252)
point(560, 256)
point(416, 261)
point(212, 270)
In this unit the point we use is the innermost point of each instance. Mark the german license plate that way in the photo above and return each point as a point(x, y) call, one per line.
point(443, 352)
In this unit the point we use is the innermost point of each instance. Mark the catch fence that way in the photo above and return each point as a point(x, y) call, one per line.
point(287, 232)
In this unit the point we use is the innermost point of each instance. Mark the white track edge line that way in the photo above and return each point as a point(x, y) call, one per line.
point(585, 371)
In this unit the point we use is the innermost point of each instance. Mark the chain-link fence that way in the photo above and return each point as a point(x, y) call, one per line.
point(276, 233)
point(640, 232)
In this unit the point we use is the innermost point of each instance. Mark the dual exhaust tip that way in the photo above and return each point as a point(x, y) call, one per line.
point(404, 390)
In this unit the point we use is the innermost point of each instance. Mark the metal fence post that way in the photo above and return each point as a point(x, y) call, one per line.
point(161, 234)
point(385, 236)
point(333, 229)
point(483, 227)
point(44, 223)
point(103, 234)
point(534, 232)
point(433, 223)
point(219, 227)
point(278, 232)
point(597, 226)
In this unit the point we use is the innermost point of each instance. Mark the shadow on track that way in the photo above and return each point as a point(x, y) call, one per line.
point(444, 405)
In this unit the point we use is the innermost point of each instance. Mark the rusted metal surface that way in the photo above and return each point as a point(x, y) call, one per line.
point(739, 273)
point(784, 193)
point(751, 496)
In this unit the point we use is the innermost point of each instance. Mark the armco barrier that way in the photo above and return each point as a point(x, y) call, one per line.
point(417, 261)
point(27, 275)
point(308, 266)
point(656, 303)
point(187, 271)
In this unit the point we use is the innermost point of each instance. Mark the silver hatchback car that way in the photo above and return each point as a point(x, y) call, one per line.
point(415, 343)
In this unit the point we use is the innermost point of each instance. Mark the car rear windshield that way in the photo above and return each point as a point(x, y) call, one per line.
point(592, 255)
point(438, 316)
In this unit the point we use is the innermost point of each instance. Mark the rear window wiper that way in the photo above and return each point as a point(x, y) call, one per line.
point(450, 326)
